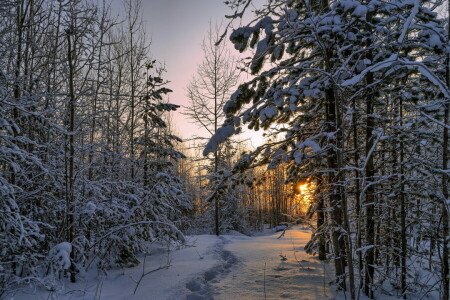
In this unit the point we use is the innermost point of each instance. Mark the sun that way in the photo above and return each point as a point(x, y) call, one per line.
point(304, 195)
point(303, 188)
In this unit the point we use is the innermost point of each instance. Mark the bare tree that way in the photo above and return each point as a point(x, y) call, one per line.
point(209, 90)
point(136, 55)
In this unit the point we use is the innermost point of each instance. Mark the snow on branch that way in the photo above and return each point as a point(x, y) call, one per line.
point(409, 21)
point(175, 230)
point(219, 137)
point(61, 254)
point(374, 68)
point(393, 59)
point(434, 120)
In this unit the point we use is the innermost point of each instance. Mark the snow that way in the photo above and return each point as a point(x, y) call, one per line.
point(278, 52)
point(280, 228)
point(262, 46)
point(423, 69)
point(268, 112)
point(298, 156)
point(219, 137)
point(279, 264)
point(360, 11)
point(279, 101)
point(271, 265)
point(90, 207)
point(266, 24)
point(309, 143)
point(373, 68)
point(168, 283)
point(431, 77)
point(435, 41)
point(348, 4)
point(61, 254)
point(409, 21)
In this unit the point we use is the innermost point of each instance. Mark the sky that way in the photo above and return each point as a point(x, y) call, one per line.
point(176, 29)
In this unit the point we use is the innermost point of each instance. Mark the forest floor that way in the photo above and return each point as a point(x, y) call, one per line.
point(233, 266)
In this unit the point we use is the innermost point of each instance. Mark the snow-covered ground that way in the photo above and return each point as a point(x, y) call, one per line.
point(225, 267)
point(168, 283)
point(232, 266)
point(275, 268)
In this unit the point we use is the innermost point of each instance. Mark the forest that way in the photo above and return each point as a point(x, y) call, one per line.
point(352, 97)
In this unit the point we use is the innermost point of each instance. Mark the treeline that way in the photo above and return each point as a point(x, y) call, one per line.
point(259, 196)
point(357, 94)
point(255, 200)
point(88, 165)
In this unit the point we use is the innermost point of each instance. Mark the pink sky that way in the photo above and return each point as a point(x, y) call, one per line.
point(177, 29)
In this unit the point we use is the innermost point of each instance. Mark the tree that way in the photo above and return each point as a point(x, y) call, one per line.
point(22, 169)
point(318, 66)
point(209, 90)
point(445, 181)
point(87, 163)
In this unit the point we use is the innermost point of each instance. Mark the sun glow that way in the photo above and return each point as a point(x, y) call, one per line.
point(303, 188)
point(304, 194)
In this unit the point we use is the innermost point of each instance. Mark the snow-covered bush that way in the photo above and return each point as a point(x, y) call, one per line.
point(59, 257)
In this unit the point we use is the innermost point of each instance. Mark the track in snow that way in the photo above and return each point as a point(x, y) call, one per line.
point(201, 287)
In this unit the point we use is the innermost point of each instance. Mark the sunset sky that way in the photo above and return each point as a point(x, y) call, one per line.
point(177, 29)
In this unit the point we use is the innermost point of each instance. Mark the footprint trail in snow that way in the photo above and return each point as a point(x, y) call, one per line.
point(201, 287)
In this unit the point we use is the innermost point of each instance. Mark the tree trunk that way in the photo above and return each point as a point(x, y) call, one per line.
point(335, 197)
point(370, 198)
point(445, 218)
point(357, 192)
point(71, 180)
point(216, 153)
point(402, 209)
point(321, 221)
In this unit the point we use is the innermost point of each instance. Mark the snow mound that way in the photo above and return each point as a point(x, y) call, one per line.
point(280, 227)
point(60, 254)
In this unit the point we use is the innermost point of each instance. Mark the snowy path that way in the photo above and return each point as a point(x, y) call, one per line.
point(221, 268)
point(290, 273)
point(201, 287)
